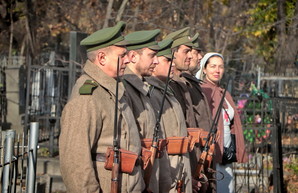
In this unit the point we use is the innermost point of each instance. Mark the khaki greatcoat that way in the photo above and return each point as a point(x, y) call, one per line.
point(173, 124)
point(87, 127)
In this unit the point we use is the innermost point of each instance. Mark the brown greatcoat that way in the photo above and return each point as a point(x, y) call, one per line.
point(173, 124)
point(214, 94)
point(87, 127)
point(138, 92)
point(183, 96)
point(201, 107)
point(203, 118)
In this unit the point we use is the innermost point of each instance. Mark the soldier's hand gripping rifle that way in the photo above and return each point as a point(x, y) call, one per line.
point(209, 147)
point(116, 159)
point(154, 144)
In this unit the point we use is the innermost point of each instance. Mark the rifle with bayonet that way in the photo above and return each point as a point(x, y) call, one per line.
point(155, 139)
point(209, 147)
point(116, 159)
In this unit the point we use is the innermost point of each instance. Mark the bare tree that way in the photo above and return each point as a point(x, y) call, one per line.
point(287, 35)
point(281, 33)
point(121, 10)
point(11, 32)
point(108, 13)
point(31, 25)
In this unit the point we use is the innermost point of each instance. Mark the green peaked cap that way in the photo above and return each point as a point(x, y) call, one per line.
point(195, 42)
point(165, 48)
point(180, 37)
point(105, 37)
point(142, 39)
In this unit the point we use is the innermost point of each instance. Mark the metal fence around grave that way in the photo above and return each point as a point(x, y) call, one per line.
point(265, 126)
point(46, 96)
point(18, 161)
point(3, 102)
point(48, 89)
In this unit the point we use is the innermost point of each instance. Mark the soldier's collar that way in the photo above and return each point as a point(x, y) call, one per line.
point(156, 83)
point(135, 82)
point(190, 77)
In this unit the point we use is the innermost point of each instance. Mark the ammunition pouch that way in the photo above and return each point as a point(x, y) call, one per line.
point(162, 143)
point(128, 160)
point(146, 155)
point(197, 136)
point(177, 145)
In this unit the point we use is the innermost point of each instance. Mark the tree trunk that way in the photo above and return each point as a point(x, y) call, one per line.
point(193, 7)
point(30, 28)
point(135, 18)
point(281, 37)
point(121, 10)
point(108, 14)
point(11, 33)
point(292, 41)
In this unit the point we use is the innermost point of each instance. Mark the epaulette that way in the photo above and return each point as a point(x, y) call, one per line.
point(88, 87)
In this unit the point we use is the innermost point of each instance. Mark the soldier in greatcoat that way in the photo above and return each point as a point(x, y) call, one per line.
point(142, 48)
point(88, 119)
point(200, 106)
point(172, 118)
point(182, 47)
point(201, 110)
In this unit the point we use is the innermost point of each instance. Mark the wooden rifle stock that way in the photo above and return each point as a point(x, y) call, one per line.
point(181, 178)
point(209, 157)
point(116, 160)
point(115, 173)
point(148, 170)
point(180, 186)
point(201, 163)
point(153, 149)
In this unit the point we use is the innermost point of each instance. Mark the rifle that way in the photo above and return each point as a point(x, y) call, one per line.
point(116, 159)
point(180, 187)
point(209, 147)
point(154, 144)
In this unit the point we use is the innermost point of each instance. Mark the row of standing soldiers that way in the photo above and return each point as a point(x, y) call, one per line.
point(137, 118)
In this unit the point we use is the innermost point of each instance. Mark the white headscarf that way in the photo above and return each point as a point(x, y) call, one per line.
point(203, 63)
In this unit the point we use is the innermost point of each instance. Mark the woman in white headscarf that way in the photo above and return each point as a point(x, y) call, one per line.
point(230, 147)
